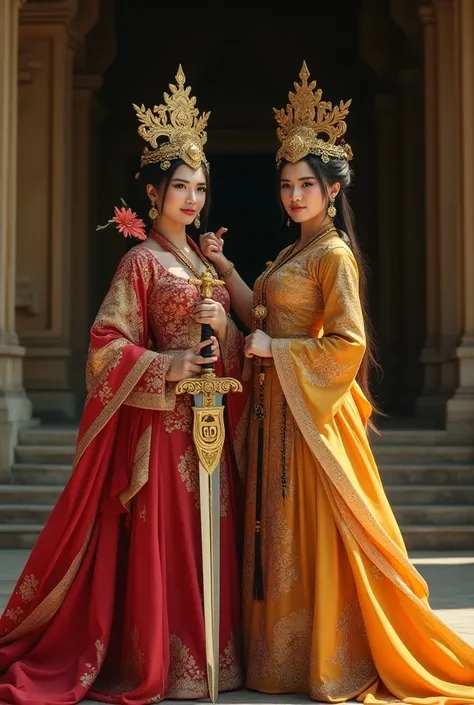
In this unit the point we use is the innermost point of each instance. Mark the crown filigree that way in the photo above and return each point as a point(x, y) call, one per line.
point(178, 121)
point(307, 116)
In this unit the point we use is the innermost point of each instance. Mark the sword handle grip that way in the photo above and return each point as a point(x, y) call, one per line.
point(206, 334)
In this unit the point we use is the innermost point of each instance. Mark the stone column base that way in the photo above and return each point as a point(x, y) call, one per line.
point(460, 408)
point(15, 407)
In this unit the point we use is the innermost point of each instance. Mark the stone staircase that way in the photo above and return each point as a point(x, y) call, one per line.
point(43, 462)
point(428, 478)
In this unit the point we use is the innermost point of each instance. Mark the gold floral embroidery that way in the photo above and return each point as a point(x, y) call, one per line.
point(188, 468)
point(185, 678)
point(129, 677)
point(16, 615)
point(92, 671)
point(121, 309)
point(141, 466)
point(155, 699)
point(181, 417)
point(28, 588)
point(286, 659)
point(105, 394)
point(357, 670)
point(230, 672)
point(152, 391)
point(48, 607)
point(320, 368)
point(101, 362)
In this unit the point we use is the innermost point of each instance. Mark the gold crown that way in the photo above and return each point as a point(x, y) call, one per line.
point(306, 117)
point(177, 120)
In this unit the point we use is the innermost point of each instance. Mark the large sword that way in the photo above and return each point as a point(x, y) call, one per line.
point(208, 436)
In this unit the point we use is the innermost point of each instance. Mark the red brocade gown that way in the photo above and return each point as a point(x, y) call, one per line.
point(109, 604)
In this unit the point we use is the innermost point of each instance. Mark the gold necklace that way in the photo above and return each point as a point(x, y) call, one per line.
point(179, 254)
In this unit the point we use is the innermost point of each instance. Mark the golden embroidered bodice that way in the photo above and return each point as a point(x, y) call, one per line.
point(293, 293)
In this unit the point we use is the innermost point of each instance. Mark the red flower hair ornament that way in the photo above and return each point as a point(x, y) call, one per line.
point(127, 222)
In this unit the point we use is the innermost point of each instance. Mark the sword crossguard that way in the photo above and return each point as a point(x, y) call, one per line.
point(207, 283)
point(208, 386)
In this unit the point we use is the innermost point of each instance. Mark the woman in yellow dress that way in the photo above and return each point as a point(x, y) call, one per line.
point(332, 605)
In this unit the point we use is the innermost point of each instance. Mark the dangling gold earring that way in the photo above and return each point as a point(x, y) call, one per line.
point(332, 208)
point(153, 212)
point(288, 223)
point(197, 222)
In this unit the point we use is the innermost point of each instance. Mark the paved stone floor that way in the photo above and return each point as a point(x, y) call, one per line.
point(450, 577)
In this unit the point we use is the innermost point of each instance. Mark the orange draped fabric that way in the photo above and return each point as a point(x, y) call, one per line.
point(109, 604)
point(345, 614)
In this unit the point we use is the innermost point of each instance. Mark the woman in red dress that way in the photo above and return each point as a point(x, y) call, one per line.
point(109, 604)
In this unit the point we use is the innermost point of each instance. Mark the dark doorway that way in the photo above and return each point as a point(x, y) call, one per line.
point(244, 201)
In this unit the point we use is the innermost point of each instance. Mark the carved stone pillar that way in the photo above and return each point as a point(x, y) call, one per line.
point(15, 408)
point(460, 410)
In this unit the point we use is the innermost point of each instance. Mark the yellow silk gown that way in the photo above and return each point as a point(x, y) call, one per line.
point(345, 614)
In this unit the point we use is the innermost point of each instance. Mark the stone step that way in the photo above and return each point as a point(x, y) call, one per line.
point(45, 454)
point(48, 436)
point(24, 513)
point(41, 473)
point(408, 473)
point(29, 494)
point(440, 515)
point(438, 538)
point(423, 454)
point(19, 535)
point(409, 436)
point(429, 494)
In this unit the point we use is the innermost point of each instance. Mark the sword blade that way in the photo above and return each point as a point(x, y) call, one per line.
point(210, 533)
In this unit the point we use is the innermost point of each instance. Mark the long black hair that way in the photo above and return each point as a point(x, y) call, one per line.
point(327, 174)
point(153, 174)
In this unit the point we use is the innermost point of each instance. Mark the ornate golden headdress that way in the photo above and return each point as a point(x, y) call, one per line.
point(178, 120)
point(306, 117)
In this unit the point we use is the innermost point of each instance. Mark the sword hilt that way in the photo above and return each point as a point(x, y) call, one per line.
point(206, 285)
point(206, 334)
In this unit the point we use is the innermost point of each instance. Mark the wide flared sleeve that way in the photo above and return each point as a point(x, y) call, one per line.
point(326, 366)
point(120, 367)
